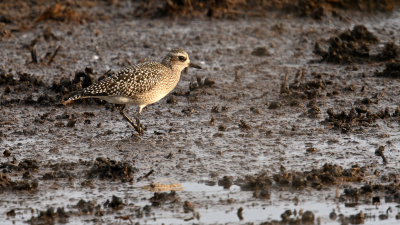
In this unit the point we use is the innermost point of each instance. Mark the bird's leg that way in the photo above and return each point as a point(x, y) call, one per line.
point(138, 124)
point(127, 118)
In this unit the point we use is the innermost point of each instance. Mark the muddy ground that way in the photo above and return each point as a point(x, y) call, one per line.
point(293, 120)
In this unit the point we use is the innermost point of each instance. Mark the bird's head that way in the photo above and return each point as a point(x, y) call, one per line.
point(177, 59)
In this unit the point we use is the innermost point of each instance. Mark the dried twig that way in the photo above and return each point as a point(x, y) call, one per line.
point(55, 53)
point(32, 49)
point(145, 176)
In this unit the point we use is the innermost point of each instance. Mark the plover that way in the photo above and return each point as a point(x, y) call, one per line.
point(141, 84)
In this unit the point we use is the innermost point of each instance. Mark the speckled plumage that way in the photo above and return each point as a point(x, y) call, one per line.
point(140, 84)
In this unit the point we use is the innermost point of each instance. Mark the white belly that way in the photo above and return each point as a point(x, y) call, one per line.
point(137, 101)
point(120, 100)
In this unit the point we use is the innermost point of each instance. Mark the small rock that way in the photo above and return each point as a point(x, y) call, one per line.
point(11, 213)
point(71, 123)
point(172, 100)
point(261, 51)
point(208, 82)
point(274, 105)
point(312, 150)
point(308, 217)
point(116, 203)
point(188, 207)
point(6, 153)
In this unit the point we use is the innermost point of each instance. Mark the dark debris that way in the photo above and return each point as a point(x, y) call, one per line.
point(354, 47)
point(50, 217)
point(106, 169)
point(356, 117)
point(160, 198)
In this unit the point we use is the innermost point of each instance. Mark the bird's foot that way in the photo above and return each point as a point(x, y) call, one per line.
point(139, 131)
point(140, 128)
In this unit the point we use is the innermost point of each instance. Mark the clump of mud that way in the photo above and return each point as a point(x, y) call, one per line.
point(25, 81)
point(116, 203)
point(66, 85)
point(293, 217)
point(226, 182)
point(392, 70)
point(354, 47)
point(5, 181)
point(160, 198)
point(6, 184)
point(209, 8)
point(357, 117)
point(317, 9)
point(300, 89)
point(208, 82)
point(311, 8)
point(106, 169)
point(327, 175)
point(50, 216)
point(59, 12)
point(83, 207)
point(86, 207)
point(30, 89)
point(390, 51)
point(260, 181)
point(349, 46)
point(25, 167)
point(259, 184)
point(233, 9)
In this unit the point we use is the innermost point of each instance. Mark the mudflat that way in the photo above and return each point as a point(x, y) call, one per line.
point(294, 118)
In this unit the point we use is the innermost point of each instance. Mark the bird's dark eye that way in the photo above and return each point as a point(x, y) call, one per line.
point(181, 58)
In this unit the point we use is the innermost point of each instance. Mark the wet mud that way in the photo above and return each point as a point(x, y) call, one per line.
point(293, 120)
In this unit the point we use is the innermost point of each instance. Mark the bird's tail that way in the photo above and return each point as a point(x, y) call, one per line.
point(76, 96)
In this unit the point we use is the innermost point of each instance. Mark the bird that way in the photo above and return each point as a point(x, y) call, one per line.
point(141, 84)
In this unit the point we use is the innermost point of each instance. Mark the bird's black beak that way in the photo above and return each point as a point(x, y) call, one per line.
point(195, 66)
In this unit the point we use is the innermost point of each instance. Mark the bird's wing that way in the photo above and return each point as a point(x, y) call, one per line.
point(128, 82)
point(101, 88)
point(136, 79)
